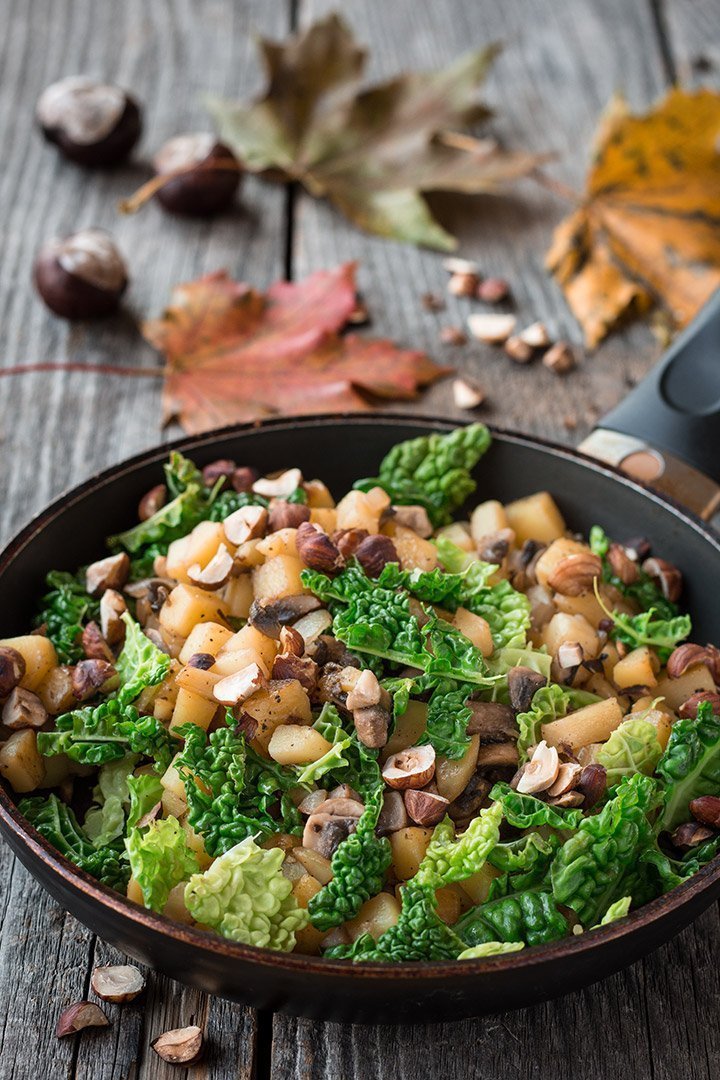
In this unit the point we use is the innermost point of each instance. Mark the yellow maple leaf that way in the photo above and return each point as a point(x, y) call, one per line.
point(648, 227)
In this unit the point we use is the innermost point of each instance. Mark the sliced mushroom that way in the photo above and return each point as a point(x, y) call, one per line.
point(117, 983)
point(492, 721)
point(425, 807)
point(239, 686)
point(215, 574)
point(270, 616)
point(541, 771)
point(523, 682)
point(393, 815)
point(330, 650)
point(469, 802)
point(366, 691)
point(12, 669)
point(89, 676)
point(569, 799)
point(330, 685)
point(411, 768)
point(109, 573)
point(112, 606)
point(415, 518)
point(667, 576)
point(201, 660)
point(372, 724)
point(280, 486)
point(503, 755)
point(23, 709)
point(331, 824)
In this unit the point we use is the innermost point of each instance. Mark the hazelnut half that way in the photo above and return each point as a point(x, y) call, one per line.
point(239, 686)
point(117, 982)
point(91, 122)
point(81, 276)
point(374, 552)
point(80, 1015)
point(317, 550)
point(574, 574)
point(247, 523)
point(215, 574)
point(278, 487)
point(109, 573)
point(411, 768)
point(23, 709)
point(425, 807)
point(12, 669)
point(180, 1046)
point(207, 175)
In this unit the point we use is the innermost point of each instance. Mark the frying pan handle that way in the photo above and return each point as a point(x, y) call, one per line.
point(675, 411)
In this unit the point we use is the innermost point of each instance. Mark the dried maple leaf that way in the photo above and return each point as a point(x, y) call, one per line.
point(234, 354)
point(648, 229)
point(371, 152)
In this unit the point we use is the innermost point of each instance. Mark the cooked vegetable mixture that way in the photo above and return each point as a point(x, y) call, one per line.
point(364, 729)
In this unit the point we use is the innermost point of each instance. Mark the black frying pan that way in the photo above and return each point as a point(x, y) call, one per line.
point(340, 449)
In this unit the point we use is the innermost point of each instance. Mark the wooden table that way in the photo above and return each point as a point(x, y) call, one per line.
point(561, 63)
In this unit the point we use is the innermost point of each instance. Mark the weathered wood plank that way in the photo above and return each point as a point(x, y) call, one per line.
point(560, 65)
point(57, 429)
point(693, 32)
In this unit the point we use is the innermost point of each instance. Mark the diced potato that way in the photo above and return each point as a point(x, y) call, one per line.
point(564, 627)
point(478, 886)
point(297, 744)
point(281, 701)
point(134, 892)
point(238, 595)
point(315, 863)
point(676, 691)
point(21, 764)
point(408, 850)
point(190, 708)
point(56, 692)
point(414, 552)
point(206, 637)
point(186, 606)
point(175, 905)
point(375, 916)
point(248, 555)
point(358, 511)
point(488, 517)
point(662, 721)
point(593, 723)
point(173, 642)
point(199, 682)
point(199, 546)
point(196, 843)
point(39, 655)
point(309, 939)
point(475, 629)
point(648, 702)
point(598, 684)
point(312, 625)
point(174, 800)
point(282, 840)
point(318, 495)
point(281, 542)
point(453, 776)
point(638, 668)
point(536, 517)
point(551, 556)
point(449, 907)
point(166, 697)
point(325, 517)
point(263, 648)
point(230, 662)
point(408, 729)
point(278, 577)
point(610, 657)
point(458, 534)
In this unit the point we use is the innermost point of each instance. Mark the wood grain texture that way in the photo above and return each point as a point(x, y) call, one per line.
point(692, 28)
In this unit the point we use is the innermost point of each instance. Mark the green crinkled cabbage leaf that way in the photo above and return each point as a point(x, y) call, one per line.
point(245, 897)
point(144, 792)
point(140, 663)
point(491, 948)
point(160, 859)
point(106, 821)
point(616, 911)
point(450, 858)
point(690, 765)
point(633, 747)
point(107, 732)
point(530, 917)
point(65, 610)
point(526, 812)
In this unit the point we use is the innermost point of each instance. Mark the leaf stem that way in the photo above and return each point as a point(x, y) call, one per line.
point(556, 187)
point(146, 191)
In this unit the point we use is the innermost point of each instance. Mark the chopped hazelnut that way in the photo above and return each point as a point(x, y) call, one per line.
point(94, 644)
point(112, 606)
point(89, 676)
point(467, 394)
point(247, 523)
point(317, 550)
point(491, 328)
point(518, 350)
point(541, 772)
point(411, 768)
point(12, 669)
point(152, 501)
point(181, 1046)
point(493, 290)
point(239, 686)
point(560, 358)
point(117, 983)
point(23, 709)
point(82, 1014)
point(287, 515)
point(535, 335)
point(452, 335)
point(109, 573)
point(365, 691)
point(374, 552)
point(215, 574)
point(280, 486)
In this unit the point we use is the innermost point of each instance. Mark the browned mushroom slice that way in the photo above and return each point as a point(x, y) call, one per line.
point(411, 768)
point(247, 523)
point(415, 518)
point(522, 684)
point(492, 721)
point(215, 574)
point(372, 724)
point(271, 616)
point(498, 755)
point(23, 709)
point(331, 824)
point(469, 801)
point(109, 573)
point(393, 815)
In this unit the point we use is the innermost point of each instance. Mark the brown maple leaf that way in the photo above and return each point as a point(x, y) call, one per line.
point(236, 354)
point(370, 152)
point(648, 228)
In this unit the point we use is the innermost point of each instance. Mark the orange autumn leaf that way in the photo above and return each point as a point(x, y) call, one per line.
point(648, 228)
point(235, 354)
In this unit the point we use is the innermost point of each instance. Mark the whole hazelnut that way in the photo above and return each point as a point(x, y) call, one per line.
point(92, 122)
point(81, 276)
point(208, 175)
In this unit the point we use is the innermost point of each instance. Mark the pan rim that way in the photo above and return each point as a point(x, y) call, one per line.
point(582, 945)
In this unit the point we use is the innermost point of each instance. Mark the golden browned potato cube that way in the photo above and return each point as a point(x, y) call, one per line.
point(675, 691)
point(591, 724)
point(475, 629)
point(662, 721)
point(488, 517)
point(21, 763)
point(281, 701)
point(414, 552)
point(458, 534)
point(358, 511)
point(186, 606)
point(325, 517)
point(551, 556)
point(263, 648)
point(375, 916)
point(238, 595)
point(536, 517)
point(205, 637)
point(39, 655)
point(562, 628)
point(453, 776)
point(278, 577)
point(199, 681)
point(196, 844)
point(134, 892)
point(478, 886)
point(638, 668)
point(174, 801)
point(164, 700)
point(56, 692)
point(175, 905)
point(408, 850)
point(309, 939)
point(408, 729)
point(230, 662)
point(297, 744)
point(315, 863)
point(247, 555)
point(318, 495)
point(282, 542)
point(190, 708)
point(199, 546)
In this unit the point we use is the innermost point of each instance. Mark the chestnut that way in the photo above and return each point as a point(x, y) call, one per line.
point(209, 175)
point(93, 123)
point(81, 276)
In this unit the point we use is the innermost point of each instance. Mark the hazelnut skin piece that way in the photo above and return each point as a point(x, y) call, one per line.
point(209, 179)
point(92, 123)
point(81, 276)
